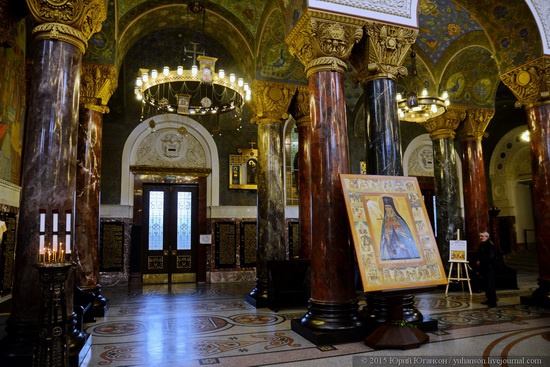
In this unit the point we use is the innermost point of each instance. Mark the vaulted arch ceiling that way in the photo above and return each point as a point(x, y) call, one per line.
point(218, 24)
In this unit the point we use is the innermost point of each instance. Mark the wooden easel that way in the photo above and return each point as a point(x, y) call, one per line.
point(459, 276)
point(459, 260)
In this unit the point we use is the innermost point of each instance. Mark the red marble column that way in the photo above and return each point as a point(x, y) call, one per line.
point(88, 180)
point(333, 305)
point(304, 186)
point(476, 208)
point(538, 119)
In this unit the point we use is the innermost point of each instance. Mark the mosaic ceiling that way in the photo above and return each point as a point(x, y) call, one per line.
point(458, 39)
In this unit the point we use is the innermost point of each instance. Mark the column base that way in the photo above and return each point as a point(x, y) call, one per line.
point(540, 297)
point(258, 296)
point(392, 336)
point(326, 323)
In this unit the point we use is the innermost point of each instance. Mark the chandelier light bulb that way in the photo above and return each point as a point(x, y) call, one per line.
point(221, 73)
point(240, 82)
point(399, 96)
point(194, 70)
point(145, 77)
point(139, 81)
point(445, 95)
point(154, 73)
point(246, 87)
point(424, 92)
point(180, 70)
point(232, 78)
point(433, 109)
point(248, 94)
point(166, 71)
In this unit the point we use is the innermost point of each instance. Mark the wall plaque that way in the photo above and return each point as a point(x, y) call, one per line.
point(111, 246)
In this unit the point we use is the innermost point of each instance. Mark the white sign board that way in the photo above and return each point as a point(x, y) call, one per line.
point(458, 251)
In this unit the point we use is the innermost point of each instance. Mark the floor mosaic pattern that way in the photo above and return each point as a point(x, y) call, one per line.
point(212, 325)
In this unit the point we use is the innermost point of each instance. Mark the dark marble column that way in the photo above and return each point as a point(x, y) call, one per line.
point(87, 205)
point(384, 143)
point(476, 207)
point(538, 119)
point(270, 104)
point(48, 181)
point(449, 219)
point(271, 207)
point(303, 122)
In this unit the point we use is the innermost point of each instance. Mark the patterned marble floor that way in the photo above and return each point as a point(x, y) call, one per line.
point(211, 325)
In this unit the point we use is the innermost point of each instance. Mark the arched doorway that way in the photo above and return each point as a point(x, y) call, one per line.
point(170, 175)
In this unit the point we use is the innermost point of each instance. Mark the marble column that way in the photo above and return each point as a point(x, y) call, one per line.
point(449, 219)
point(49, 165)
point(303, 122)
point(530, 85)
point(270, 102)
point(476, 208)
point(98, 84)
point(332, 309)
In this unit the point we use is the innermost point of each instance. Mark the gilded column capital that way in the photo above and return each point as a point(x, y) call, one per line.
point(444, 126)
point(475, 123)
point(301, 106)
point(323, 41)
point(530, 82)
point(98, 82)
point(381, 53)
point(270, 101)
point(71, 21)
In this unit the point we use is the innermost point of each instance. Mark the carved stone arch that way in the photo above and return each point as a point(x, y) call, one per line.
point(201, 141)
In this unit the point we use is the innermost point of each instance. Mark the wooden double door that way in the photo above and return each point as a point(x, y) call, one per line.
point(170, 233)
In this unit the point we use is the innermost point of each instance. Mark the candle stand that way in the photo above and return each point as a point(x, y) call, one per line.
point(51, 348)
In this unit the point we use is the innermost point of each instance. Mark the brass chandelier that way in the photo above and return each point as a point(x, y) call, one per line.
point(420, 107)
point(200, 90)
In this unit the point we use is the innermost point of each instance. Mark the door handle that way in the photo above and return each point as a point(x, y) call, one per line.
point(165, 252)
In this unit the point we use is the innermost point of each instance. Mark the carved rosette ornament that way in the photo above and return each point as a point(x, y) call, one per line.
point(97, 84)
point(475, 123)
point(444, 126)
point(530, 82)
point(71, 21)
point(381, 53)
point(270, 101)
point(323, 41)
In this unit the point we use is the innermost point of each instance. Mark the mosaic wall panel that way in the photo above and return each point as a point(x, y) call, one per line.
point(248, 237)
point(225, 240)
point(111, 246)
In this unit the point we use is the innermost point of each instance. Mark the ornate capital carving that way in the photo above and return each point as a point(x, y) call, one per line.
point(72, 21)
point(270, 101)
point(97, 84)
point(444, 126)
point(530, 82)
point(300, 107)
point(381, 53)
point(323, 41)
point(475, 123)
